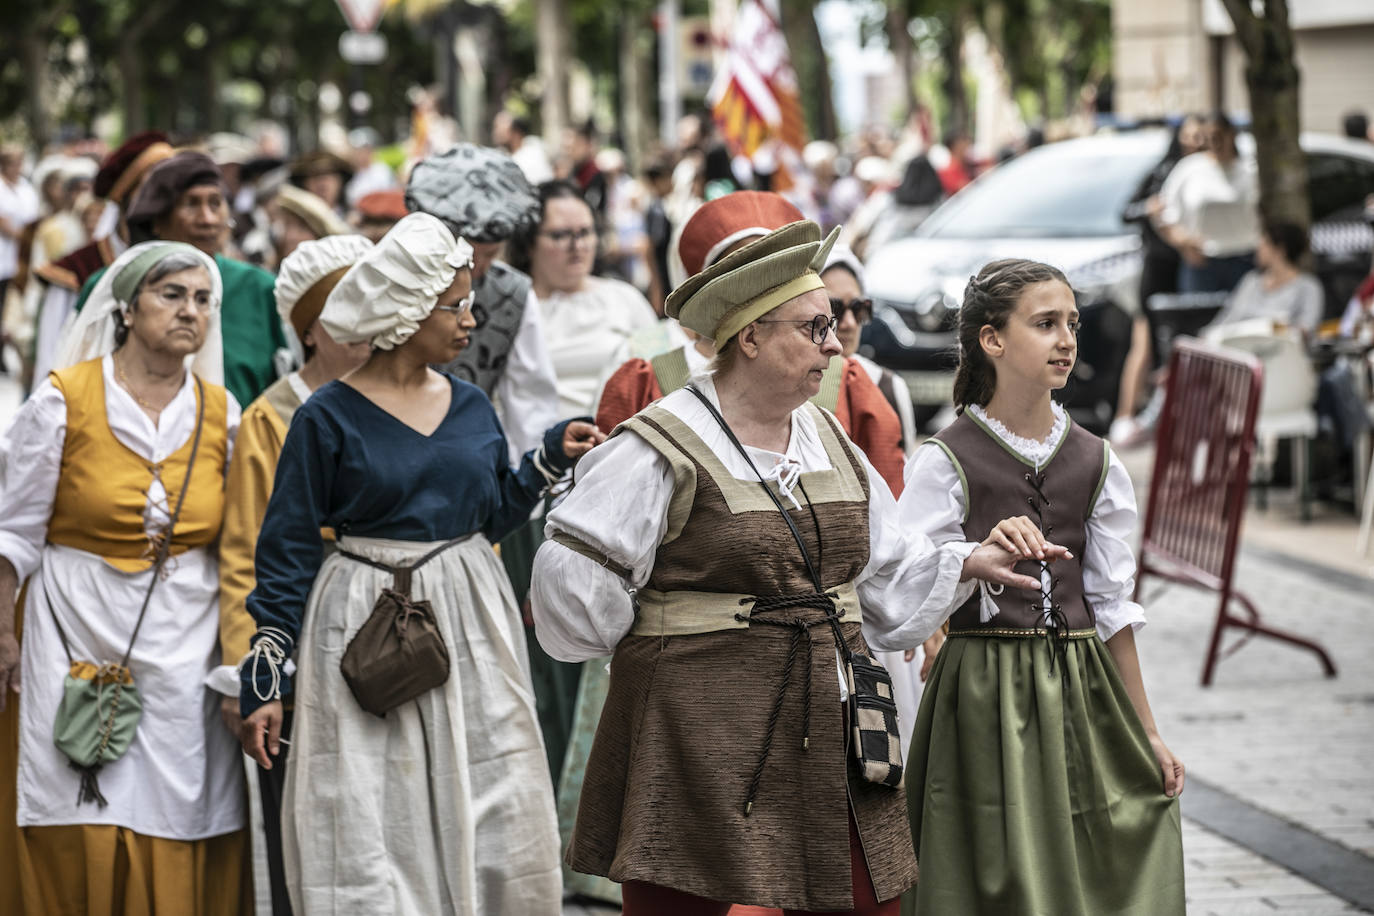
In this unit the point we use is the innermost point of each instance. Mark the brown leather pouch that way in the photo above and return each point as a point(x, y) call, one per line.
point(398, 653)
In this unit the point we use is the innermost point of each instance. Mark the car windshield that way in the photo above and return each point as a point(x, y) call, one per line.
point(1051, 192)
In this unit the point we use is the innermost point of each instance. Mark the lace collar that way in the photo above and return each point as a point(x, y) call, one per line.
point(1038, 452)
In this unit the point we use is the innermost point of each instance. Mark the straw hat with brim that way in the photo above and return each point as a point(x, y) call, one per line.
point(749, 283)
point(311, 210)
point(320, 162)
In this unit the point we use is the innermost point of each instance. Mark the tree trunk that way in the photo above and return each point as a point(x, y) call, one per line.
point(899, 40)
point(1273, 85)
point(952, 53)
point(1272, 77)
point(812, 68)
point(131, 74)
point(34, 43)
point(551, 51)
point(632, 123)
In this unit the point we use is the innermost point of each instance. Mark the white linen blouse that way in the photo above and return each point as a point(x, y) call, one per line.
point(933, 503)
point(620, 507)
point(587, 331)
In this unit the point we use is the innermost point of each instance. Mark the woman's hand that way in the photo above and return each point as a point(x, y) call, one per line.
point(932, 647)
point(9, 667)
point(229, 715)
point(1021, 536)
point(993, 563)
point(1170, 765)
point(261, 733)
point(579, 438)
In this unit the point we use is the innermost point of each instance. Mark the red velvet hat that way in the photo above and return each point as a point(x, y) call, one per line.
point(723, 222)
point(383, 205)
point(122, 169)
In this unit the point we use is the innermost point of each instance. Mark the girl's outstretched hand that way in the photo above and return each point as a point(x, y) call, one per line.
point(1171, 766)
point(993, 563)
point(1020, 535)
point(579, 437)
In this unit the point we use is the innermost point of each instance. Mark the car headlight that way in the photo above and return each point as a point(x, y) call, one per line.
point(933, 308)
point(1115, 278)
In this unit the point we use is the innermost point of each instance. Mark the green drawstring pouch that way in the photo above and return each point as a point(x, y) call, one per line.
point(96, 721)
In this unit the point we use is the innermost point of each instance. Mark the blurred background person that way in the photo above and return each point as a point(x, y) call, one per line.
point(19, 206)
point(513, 134)
point(182, 200)
point(324, 174)
point(302, 217)
point(1209, 211)
point(1278, 289)
point(370, 174)
point(118, 180)
point(376, 213)
point(1159, 273)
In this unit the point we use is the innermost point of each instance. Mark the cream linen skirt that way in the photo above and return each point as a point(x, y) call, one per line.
point(445, 805)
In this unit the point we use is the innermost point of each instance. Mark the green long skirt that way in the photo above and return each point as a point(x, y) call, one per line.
point(1032, 793)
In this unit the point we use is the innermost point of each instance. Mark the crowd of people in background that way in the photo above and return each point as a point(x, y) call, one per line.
point(393, 366)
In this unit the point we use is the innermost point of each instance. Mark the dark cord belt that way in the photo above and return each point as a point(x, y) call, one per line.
point(801, 629)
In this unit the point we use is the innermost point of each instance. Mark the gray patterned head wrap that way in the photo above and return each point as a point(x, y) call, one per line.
point(479, 192)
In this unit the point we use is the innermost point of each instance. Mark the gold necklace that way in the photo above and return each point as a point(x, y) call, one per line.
point(129, 387)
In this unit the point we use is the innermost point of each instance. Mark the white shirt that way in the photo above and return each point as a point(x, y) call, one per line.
point(905, 412)
point(180, 778)
point(1219, 205)
point(533, 161)
point(19, 205)
point(933, 502)
point(620, 508)
point(587, 331)
point(526, 397)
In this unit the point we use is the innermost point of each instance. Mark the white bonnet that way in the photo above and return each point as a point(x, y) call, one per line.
point(394, 286)
point(310, 263)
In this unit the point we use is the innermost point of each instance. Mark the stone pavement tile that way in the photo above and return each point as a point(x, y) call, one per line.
point(1225, 879)
point(1272, 730)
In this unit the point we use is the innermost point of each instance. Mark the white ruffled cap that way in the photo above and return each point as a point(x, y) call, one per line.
point(394, 286)
point(310, 263)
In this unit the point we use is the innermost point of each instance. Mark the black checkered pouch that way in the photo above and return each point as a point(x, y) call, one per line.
point(873, 719)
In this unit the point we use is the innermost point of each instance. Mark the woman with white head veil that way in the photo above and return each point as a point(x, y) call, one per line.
point(444, 803)
point(111, 495)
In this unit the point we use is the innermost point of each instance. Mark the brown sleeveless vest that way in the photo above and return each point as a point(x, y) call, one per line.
point(1060, 496)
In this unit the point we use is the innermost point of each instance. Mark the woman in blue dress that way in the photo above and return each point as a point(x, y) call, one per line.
point(443, 805)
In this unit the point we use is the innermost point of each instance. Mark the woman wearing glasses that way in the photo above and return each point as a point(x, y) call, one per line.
point(721, 771)
point(111, 497)
point(443, 804)
point(588, 321)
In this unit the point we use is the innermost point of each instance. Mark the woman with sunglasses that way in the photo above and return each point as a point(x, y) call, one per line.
point(721, 545)
point(443, 804)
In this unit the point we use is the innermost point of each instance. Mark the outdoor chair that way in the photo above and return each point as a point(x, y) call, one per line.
point(1286, 406)
point(1198, 488)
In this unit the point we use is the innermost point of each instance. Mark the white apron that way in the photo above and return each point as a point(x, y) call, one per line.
point(445, 805)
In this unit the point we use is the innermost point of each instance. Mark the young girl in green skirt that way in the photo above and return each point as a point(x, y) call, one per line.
point(1037, 782)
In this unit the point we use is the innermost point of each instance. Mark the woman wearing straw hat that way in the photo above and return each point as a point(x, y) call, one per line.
point(722, 544)
point(111, 495)
point(439, 800)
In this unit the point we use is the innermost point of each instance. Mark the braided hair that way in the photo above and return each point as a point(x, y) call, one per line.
point(989, 299)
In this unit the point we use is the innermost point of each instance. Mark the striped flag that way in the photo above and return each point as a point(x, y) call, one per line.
point(755, 100)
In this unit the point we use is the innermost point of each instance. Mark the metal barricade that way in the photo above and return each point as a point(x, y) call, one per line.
point(1203, 447)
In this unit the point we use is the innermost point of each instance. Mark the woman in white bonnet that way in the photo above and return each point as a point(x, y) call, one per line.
point(442, 805)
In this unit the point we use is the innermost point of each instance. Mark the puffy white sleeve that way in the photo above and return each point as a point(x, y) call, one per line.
point(1108, 561)
point(618, 508)
point(30, 465)
point(527, 394)
point(911, 583)
point(233, 416)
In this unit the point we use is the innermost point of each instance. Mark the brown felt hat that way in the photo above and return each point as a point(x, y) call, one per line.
point(122, 169)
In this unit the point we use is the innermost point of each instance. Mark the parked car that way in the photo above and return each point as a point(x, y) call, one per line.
point(1062, 204)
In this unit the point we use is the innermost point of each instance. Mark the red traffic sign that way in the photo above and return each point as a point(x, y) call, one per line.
point(362, 15)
